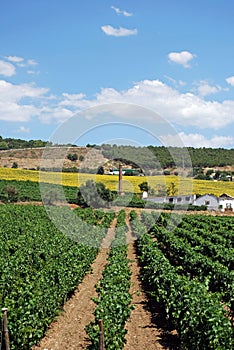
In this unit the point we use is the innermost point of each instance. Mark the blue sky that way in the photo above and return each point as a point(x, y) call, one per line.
point(175, 58)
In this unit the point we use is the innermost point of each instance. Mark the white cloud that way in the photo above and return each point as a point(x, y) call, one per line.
point(23, 129)
point(205, 89)
point(7, 69)
point(14, 59)
point(31, 62)
point(186, 109)
point(33, 72)
point(183, 58)
point(58, 113)
point(198, 140)
point(13, 105)
point(24, 101)
point(73, 97)
point(175, 82)
point(120, 12)
point(109, 30)
point(230, 80)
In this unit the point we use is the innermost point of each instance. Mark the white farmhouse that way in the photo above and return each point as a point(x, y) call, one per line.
point(226, 202)
point(209, 200)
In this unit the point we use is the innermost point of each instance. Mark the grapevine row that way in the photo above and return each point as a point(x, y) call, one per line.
point(113, 302)
point(196, 314)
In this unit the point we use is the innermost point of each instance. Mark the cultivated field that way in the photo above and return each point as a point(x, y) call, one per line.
point(185, 185)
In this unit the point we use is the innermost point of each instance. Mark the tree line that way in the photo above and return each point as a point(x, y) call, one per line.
point(159, 157)
point(148, 157)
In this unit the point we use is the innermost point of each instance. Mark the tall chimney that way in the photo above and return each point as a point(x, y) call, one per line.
point(120, 178)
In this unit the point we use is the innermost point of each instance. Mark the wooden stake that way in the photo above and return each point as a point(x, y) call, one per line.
point(5, 329)
point(101, 337)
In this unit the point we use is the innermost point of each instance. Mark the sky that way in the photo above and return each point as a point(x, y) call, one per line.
point(162, 70)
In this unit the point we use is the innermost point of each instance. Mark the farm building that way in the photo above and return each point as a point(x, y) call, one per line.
point(226, 202)
point(212, 202)
point(209, 200)
point(184, 199)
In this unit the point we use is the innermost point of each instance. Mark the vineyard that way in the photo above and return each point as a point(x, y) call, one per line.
point(186, 268)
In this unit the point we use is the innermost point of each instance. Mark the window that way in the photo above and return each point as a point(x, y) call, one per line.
point(170, 200)
point(207, 202)
point(179, 199)
point(187, 198)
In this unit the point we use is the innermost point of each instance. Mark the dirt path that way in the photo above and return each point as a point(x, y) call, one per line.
point(142, 333)
point(68, 332)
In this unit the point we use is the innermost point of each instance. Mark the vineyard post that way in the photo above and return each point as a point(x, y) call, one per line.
point(5, 329)
point(101, 338)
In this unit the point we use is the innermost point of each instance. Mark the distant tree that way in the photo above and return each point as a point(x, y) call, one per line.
point(51, 197)
point(171, 189)
point(10, 194)
point(162, 190)
point(209, 172)
point(144, 186)
point(94, 195)
point(3, 145)
point(73, 157)
point(100, 170)
point(81, 158)
point(15, 165)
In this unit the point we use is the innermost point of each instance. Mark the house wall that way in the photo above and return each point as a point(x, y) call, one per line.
point(226, 203)
point(210, 201)
point(189, 199)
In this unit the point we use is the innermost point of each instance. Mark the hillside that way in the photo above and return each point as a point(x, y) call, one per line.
point(52, 158)
point(152, 160)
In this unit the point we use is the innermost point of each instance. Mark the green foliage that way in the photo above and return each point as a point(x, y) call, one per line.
point(95, 195)
point(30, 191)
point(40, 267)
point(73, 157)
point(9, 194)
point(51, 197)
point(3, 145)
point(167, 157)
point(10, 143)
point(100, 170)
point(113, 294)
point(180, 279)
point(144, 186)
point(15, 165)
point(171, 189)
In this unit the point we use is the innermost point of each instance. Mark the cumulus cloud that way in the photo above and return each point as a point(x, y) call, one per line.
point(15, 59)
point(205, 89)
point(198, 140)
point(230, 80)
point(31, 62)
point(12, 101)
point(58, 113)
point(109, 30)
point(183, 58)
point(120, 12)
point(186, 109)
point(175, 82)
point(24, 101)
point(7, 69)
point(23, 129)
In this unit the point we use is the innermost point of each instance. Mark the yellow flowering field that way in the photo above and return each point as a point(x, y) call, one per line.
point(129, 184)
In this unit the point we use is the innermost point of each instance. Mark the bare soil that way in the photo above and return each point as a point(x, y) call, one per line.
point(68, 331)
point(145, 328)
